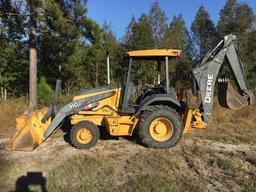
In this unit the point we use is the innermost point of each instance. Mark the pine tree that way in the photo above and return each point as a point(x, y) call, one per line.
point(65, 36)
point(64, 44)
point(235, 18)
point(177, 37)
point(113, 48)
point(238, 18)
point(13, 60)
point(250, 59)
point(158, 20)
point(127, 39)
point(203, 32)
point(139, 34)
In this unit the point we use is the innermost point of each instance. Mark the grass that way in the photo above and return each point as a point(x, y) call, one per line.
point(82, 174)
point(251, 187)
point(163, 168)
point(10, 109)
point(7, 167)
point(227, 164)
point(14, 107)
point(151, 184)
point(231, 126)
point(150, 171)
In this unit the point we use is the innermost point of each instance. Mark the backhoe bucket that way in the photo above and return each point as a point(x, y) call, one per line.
point(229, 97)
point(30, 131)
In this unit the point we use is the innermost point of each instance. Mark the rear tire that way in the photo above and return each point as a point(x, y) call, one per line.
point(160, 127)
point(84, 135)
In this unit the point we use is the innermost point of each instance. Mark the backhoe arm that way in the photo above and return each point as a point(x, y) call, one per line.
point(206, 73)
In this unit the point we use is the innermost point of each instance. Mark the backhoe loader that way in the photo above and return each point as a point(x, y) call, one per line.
point(155, 115)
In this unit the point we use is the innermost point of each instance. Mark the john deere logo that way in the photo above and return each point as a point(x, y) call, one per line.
point(208, 91)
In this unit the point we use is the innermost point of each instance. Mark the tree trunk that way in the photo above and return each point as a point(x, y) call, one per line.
point(2, 92)
point(5, 94)
point(32, 62)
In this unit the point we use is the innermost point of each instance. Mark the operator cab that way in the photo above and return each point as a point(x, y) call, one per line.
point(135, 89)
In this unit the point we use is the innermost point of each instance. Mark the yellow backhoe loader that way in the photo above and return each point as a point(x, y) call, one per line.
point(155, 114)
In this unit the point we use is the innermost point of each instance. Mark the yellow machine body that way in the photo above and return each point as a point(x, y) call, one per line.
point(106, 114)
point(31, 129)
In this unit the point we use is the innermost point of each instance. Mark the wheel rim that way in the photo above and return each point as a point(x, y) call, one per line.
point(161, 129)
point(84, 136)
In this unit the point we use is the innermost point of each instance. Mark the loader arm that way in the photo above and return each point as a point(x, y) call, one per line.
point(206, 73)
point(73, 108)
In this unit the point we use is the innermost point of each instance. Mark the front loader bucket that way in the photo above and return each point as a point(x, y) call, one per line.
point(229, 97)
point(30, 131)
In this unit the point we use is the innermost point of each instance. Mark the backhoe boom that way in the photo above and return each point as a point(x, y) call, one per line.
point(206, 73)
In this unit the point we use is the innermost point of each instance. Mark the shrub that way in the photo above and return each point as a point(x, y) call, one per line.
point(45, 92)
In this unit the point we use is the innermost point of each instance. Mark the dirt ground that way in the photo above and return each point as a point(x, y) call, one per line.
point(221, 157)
point(196, 154)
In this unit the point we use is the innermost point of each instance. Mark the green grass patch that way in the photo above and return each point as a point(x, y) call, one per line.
point(151, 183)
point(82, 174)
point(143, 172)
point(227, 164)
point(6, 167)
point(250, 188)
point(165, 159)
point(159, 170)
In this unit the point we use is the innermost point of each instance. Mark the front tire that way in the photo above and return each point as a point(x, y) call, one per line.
point(160, 127)
point(84, 135)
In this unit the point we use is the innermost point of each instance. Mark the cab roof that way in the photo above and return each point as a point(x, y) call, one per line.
point(155, 53)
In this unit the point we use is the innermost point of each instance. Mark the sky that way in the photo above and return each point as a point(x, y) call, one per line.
point(119, 12)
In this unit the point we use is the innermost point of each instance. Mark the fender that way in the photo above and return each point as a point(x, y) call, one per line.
point(157, 98)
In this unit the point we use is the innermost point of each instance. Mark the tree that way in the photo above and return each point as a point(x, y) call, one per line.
point(127, 39)
point(177, 37)
point(238, 18)
point(158, 20)
point(32, 5)
point(139, 34)
point(113, 48)
point(68, 41)
point(65, 36)
point(235, 18)
point(203, 32)
point(13, 61)
point(250, 59)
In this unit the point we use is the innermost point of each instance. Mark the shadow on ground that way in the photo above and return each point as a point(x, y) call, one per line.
point(33, 181)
